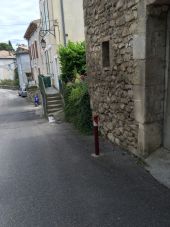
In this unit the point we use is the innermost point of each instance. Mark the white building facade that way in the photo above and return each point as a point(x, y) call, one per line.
point(23, 65)
point(7, 65)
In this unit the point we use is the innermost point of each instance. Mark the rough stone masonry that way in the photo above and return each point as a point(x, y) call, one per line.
point(127, 90)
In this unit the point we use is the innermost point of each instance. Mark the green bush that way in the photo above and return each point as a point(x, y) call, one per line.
point(72, 60)
point(75, 90)
point(77, 106)
point(32, 88)
point(6, 46)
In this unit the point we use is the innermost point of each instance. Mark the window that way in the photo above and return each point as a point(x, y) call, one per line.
point(29, 76)
point(47, 62)
point(30, 52)
point(45, 16)
point(106, 54)
point(33, 51)
point(39, 71)
point(36, 49)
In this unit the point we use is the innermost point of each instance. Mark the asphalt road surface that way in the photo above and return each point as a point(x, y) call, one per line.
point(48, 177)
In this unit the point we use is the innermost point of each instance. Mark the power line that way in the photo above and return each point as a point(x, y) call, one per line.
point(11, 25)
point(27, 23)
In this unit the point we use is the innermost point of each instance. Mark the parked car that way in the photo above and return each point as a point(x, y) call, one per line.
point(22, 91)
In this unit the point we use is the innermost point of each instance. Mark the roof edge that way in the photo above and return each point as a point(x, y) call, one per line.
point(31, 28)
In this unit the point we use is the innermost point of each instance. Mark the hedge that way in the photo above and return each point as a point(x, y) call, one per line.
point(76, 96)
point(77, 106)
point(73, 60)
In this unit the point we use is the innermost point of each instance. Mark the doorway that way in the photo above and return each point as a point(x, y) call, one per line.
point(167, 89)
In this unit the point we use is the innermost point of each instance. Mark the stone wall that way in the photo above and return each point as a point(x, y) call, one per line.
point(31, 92)
point(130, 94)
point(111, 88)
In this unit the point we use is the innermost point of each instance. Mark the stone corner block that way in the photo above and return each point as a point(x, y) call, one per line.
point(139, 47)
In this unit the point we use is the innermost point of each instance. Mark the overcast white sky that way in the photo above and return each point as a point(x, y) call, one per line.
point(15, 16)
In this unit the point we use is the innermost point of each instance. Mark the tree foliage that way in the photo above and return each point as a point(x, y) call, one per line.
point(10, 45)
point(72, 59)
point(6, 46)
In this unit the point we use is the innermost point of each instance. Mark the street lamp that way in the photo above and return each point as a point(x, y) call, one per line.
point(43, 44)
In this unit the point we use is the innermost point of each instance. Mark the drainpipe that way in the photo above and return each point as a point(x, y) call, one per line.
point(30, 59)
point(63, 21)
point(22, 72)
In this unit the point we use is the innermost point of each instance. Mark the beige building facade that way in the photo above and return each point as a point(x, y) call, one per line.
point(61, 20)
point(35, 50)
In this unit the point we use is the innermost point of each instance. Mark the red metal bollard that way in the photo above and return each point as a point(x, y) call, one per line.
point(96, 134)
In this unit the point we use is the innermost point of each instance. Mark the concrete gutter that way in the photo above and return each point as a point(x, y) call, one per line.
point(9, 87)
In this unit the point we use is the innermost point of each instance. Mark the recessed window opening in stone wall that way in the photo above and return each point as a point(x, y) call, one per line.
point(106, 54)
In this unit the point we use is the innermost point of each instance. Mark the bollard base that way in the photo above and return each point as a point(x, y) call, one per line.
point(96, 156)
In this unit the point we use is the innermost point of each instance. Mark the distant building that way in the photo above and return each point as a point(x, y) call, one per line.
point(7, 65)
point(35, 50)
point(23, 65)
point(128, 63)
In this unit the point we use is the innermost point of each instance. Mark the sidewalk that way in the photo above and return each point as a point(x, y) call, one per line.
point(156, 165)
point(114, 159)
point(159, 166)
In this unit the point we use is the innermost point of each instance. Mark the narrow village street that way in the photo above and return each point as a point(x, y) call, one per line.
point(48, 177)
